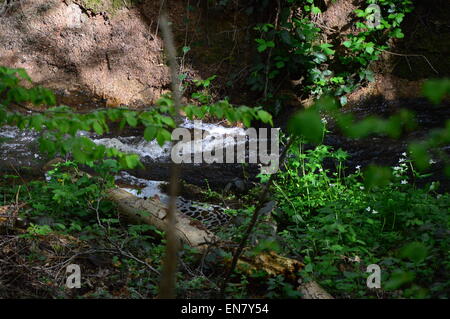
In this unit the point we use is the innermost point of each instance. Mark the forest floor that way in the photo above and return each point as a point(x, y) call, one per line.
point(95, 57)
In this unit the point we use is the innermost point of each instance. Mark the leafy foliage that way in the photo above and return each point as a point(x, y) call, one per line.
point(336, 221)
point(61, 125)
point(297, 47)
point(310, 125)
point(339, 225)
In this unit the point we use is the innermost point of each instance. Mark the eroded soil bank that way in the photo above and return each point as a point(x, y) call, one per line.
point(63, 46)
point(114, 54)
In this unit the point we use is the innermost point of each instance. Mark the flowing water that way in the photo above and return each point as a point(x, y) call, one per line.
point(19, 149)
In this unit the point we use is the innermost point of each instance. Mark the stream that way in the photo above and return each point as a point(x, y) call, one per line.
point(19, 148)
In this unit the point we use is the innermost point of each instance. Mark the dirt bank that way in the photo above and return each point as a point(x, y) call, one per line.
point(65, 46)
point(115, 55)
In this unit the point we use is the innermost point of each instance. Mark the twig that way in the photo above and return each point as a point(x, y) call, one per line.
point(410, 55)
point(168, 278)
point(114, 244)
point(185, 36)
point(23, 181)
point(116, 250)
point(266, 85)
point(325, 27)
point(161, 6)
point(253, 222)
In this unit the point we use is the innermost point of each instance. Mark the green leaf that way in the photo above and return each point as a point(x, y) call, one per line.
point(132, 161)
point(280, 64)
point(397, 33)
point(23, 74)
point(398, 279)
point(262, 47)
point(315, 10)
point(307, 124)
point(370, 49)
point(47, 146)
point(415, 251)
point(168, 121)
point(97, 128)
point(186, 49)
point(436, 90)
point(37, 121)
point(420, 155)
point(163, 136)
point(347, 43)
point(131, 119)
point(377, 176)
point(326, 48)
point(150, 133)
point(265, 117)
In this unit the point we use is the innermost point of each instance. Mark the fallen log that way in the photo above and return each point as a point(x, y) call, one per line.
point(153, 212)
point(193, 233)
point(274, 264)
point(312, 290)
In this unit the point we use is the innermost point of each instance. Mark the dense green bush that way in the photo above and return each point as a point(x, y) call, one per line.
point(294, 47)
point(339, 226)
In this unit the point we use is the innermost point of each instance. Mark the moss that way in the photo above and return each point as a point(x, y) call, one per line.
point(94, 5)
point(108, 6)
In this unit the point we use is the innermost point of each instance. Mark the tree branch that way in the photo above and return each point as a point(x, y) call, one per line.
point(253, 222)
point(167, 284)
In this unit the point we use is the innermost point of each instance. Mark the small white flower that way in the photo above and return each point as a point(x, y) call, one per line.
point(401, 160)
point(396, 168)
point(432, 161)
point(374, 212)
point(356, 259)
point(358, 167)
point(403, 182)
point(324, 121)
point(368, 209)
point(404, 154)
point(361, 187)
